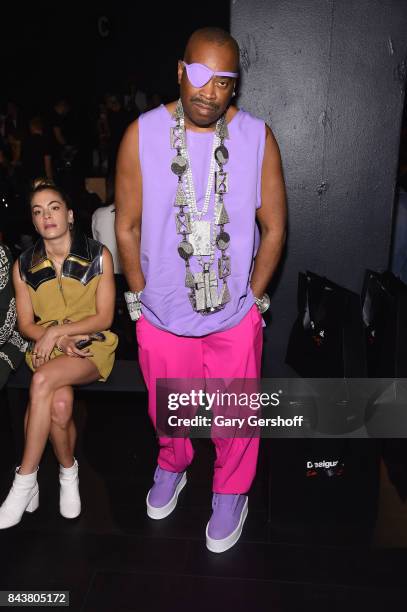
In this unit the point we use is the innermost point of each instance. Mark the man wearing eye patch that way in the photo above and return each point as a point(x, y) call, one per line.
point(193, 177)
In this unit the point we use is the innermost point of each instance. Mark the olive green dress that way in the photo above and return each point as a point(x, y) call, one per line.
point(69, 297)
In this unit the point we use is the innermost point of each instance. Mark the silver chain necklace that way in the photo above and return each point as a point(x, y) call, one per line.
point(203, 295)
point(190, 187)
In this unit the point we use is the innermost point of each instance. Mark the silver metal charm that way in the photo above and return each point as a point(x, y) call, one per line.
point(189, 278)
point(222, 241)
point(206, 294)
point(179, 111)
point(221, 182)
point(224, 267)
point(176, 137)
point(185, 249)
point(221, 155)
point(201, 237)
point(180, 198)
point(225, 295)
point(179, 165)
point(222, 217)
point(223, 129)
point(183, 222)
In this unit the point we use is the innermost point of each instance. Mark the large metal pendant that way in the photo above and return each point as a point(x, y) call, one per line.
point(205, 293)
point(201, 237)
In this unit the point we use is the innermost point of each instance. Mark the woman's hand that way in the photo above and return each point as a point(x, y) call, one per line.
point(44, 346)
point(67, 344)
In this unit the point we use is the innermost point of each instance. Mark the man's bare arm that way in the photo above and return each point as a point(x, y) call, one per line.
point(128, 201)
point(272, 217)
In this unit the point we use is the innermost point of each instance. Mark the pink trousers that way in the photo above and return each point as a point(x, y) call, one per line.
point(234, 353)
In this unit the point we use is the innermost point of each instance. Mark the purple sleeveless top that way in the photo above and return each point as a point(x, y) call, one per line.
point(165, 301)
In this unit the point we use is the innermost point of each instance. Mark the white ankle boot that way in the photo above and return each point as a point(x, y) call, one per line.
point(23, 497)
point(69, 500)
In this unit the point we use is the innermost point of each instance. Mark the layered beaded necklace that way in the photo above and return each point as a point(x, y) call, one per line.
point(199, 238)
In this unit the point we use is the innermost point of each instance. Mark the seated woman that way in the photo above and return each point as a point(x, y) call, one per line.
point(64, 296)
point(12, 345)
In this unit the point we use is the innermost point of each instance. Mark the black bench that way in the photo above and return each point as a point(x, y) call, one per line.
point(124, 378)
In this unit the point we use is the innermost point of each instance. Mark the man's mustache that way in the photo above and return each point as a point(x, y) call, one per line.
point(210, 105)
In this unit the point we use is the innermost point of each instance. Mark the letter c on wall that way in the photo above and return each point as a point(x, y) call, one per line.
point(103, 26)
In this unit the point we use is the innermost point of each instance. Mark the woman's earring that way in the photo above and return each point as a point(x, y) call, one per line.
point(234, 93)
point(70, 225)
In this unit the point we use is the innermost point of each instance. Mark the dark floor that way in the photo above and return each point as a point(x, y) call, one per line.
point(308, 544)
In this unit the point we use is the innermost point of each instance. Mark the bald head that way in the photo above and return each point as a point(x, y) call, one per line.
point(213, 36)
point(218, 51)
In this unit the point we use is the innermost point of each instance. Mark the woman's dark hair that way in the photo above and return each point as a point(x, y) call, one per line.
point(41, 184)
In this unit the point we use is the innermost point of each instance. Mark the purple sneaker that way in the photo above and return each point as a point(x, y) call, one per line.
point(163, 495)
point(226, 523)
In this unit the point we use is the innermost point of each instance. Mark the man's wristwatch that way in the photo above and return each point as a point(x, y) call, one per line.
point(263, 303)
point(133, 304)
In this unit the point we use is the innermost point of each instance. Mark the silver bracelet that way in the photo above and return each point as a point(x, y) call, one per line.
point(263, 303)
point(133, 304)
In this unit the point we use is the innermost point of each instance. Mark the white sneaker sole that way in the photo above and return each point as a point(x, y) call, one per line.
point(160, 513)
point(219, 546)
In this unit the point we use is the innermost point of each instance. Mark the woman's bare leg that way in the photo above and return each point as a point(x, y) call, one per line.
point(46, 380)
point(63, 430)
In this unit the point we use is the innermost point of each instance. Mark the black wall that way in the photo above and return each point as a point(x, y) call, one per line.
point(328, 76)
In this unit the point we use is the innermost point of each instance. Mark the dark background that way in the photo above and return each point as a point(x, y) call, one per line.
point(56, 49)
